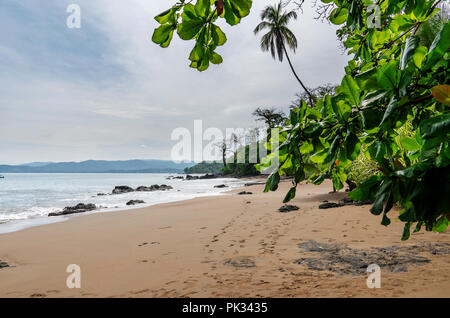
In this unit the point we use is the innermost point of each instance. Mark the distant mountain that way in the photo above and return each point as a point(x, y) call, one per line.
point(36, 164)
point(99, 166)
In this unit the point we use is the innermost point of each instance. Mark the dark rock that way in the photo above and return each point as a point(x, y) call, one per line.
point(174, 177)
point(221, 186)
point(245, 193)
point(208, 176)
point(329, 205)
point(122, 189)
point(134, 202)
point(79, 208)
point(101, 194)
point(154, 187)
point(359, 203)
point(3, 264)
point(346, 201)
point(249, 184)
point(189, 177)
point(288, 208)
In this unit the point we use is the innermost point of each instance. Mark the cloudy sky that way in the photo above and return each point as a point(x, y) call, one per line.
point(105, 91)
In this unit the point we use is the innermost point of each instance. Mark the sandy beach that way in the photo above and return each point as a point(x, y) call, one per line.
point(227, 246)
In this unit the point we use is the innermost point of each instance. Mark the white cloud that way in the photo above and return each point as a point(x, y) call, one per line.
point(119, 91)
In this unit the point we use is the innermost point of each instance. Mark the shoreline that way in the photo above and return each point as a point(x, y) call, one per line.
point(226, 246)
point(15, 225)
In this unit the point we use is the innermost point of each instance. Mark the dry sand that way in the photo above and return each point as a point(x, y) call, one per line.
point(226, 246)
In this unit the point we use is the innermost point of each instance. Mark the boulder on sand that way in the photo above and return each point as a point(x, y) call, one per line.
point(79, 208)
point(221, 186)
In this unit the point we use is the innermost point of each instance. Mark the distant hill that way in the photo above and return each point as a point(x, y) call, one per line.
point(99, 166)
point(205, 167)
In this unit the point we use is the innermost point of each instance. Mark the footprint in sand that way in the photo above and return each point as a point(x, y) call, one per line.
point(38, 295)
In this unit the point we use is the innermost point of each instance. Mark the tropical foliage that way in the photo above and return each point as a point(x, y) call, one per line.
point(394, 79)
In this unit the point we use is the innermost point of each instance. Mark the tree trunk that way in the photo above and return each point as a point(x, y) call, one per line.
point(296, 76)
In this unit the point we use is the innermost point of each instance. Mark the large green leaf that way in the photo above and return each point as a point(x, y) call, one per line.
point(230, 16)
point(436, 126)
point(440, 46)
point(241, 8)
point(371, 118)
point(217, 35)
point(349, 87)
point(388, 76)
point(187, 30)
point(203, 7)
point(411, 44)
point(163, 34)
point(338, 15)
point(410, 144)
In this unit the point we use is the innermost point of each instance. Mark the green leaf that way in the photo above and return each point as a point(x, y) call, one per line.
point(241, 8)
point(406, 231)
point(391, 109)
point(215, 58)
point(409, 144)
point(290, 195)
point(441, 224)
point(436, 126)
point(419, 56)
point(230, 16)
point(384, 191)
point(371, 118)
point(349, 87)
point(388, 76)
point(166, 16)
point(203, 7)
point(439, 47)
point(189, 13)
point(275, 181)
point(338, 15)
point(312, 130)
point(187, 30)
point(411, 44)
point(163, 34)
point(217, 35)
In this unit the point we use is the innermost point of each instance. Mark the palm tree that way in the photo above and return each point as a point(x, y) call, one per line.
point(276, 21)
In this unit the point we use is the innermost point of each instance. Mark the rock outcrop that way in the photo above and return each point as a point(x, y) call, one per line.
point(79, 208)
point(122, 189)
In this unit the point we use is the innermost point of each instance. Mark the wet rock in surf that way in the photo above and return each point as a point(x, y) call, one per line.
point(221, 186)
point(79, 208)
point(122, 189)
point(134, 202)
point(154, 187)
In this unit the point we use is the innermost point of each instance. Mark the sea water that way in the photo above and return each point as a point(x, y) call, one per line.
point(27, 199)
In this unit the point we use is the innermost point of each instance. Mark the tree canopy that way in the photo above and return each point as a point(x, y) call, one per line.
point(394, 80)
